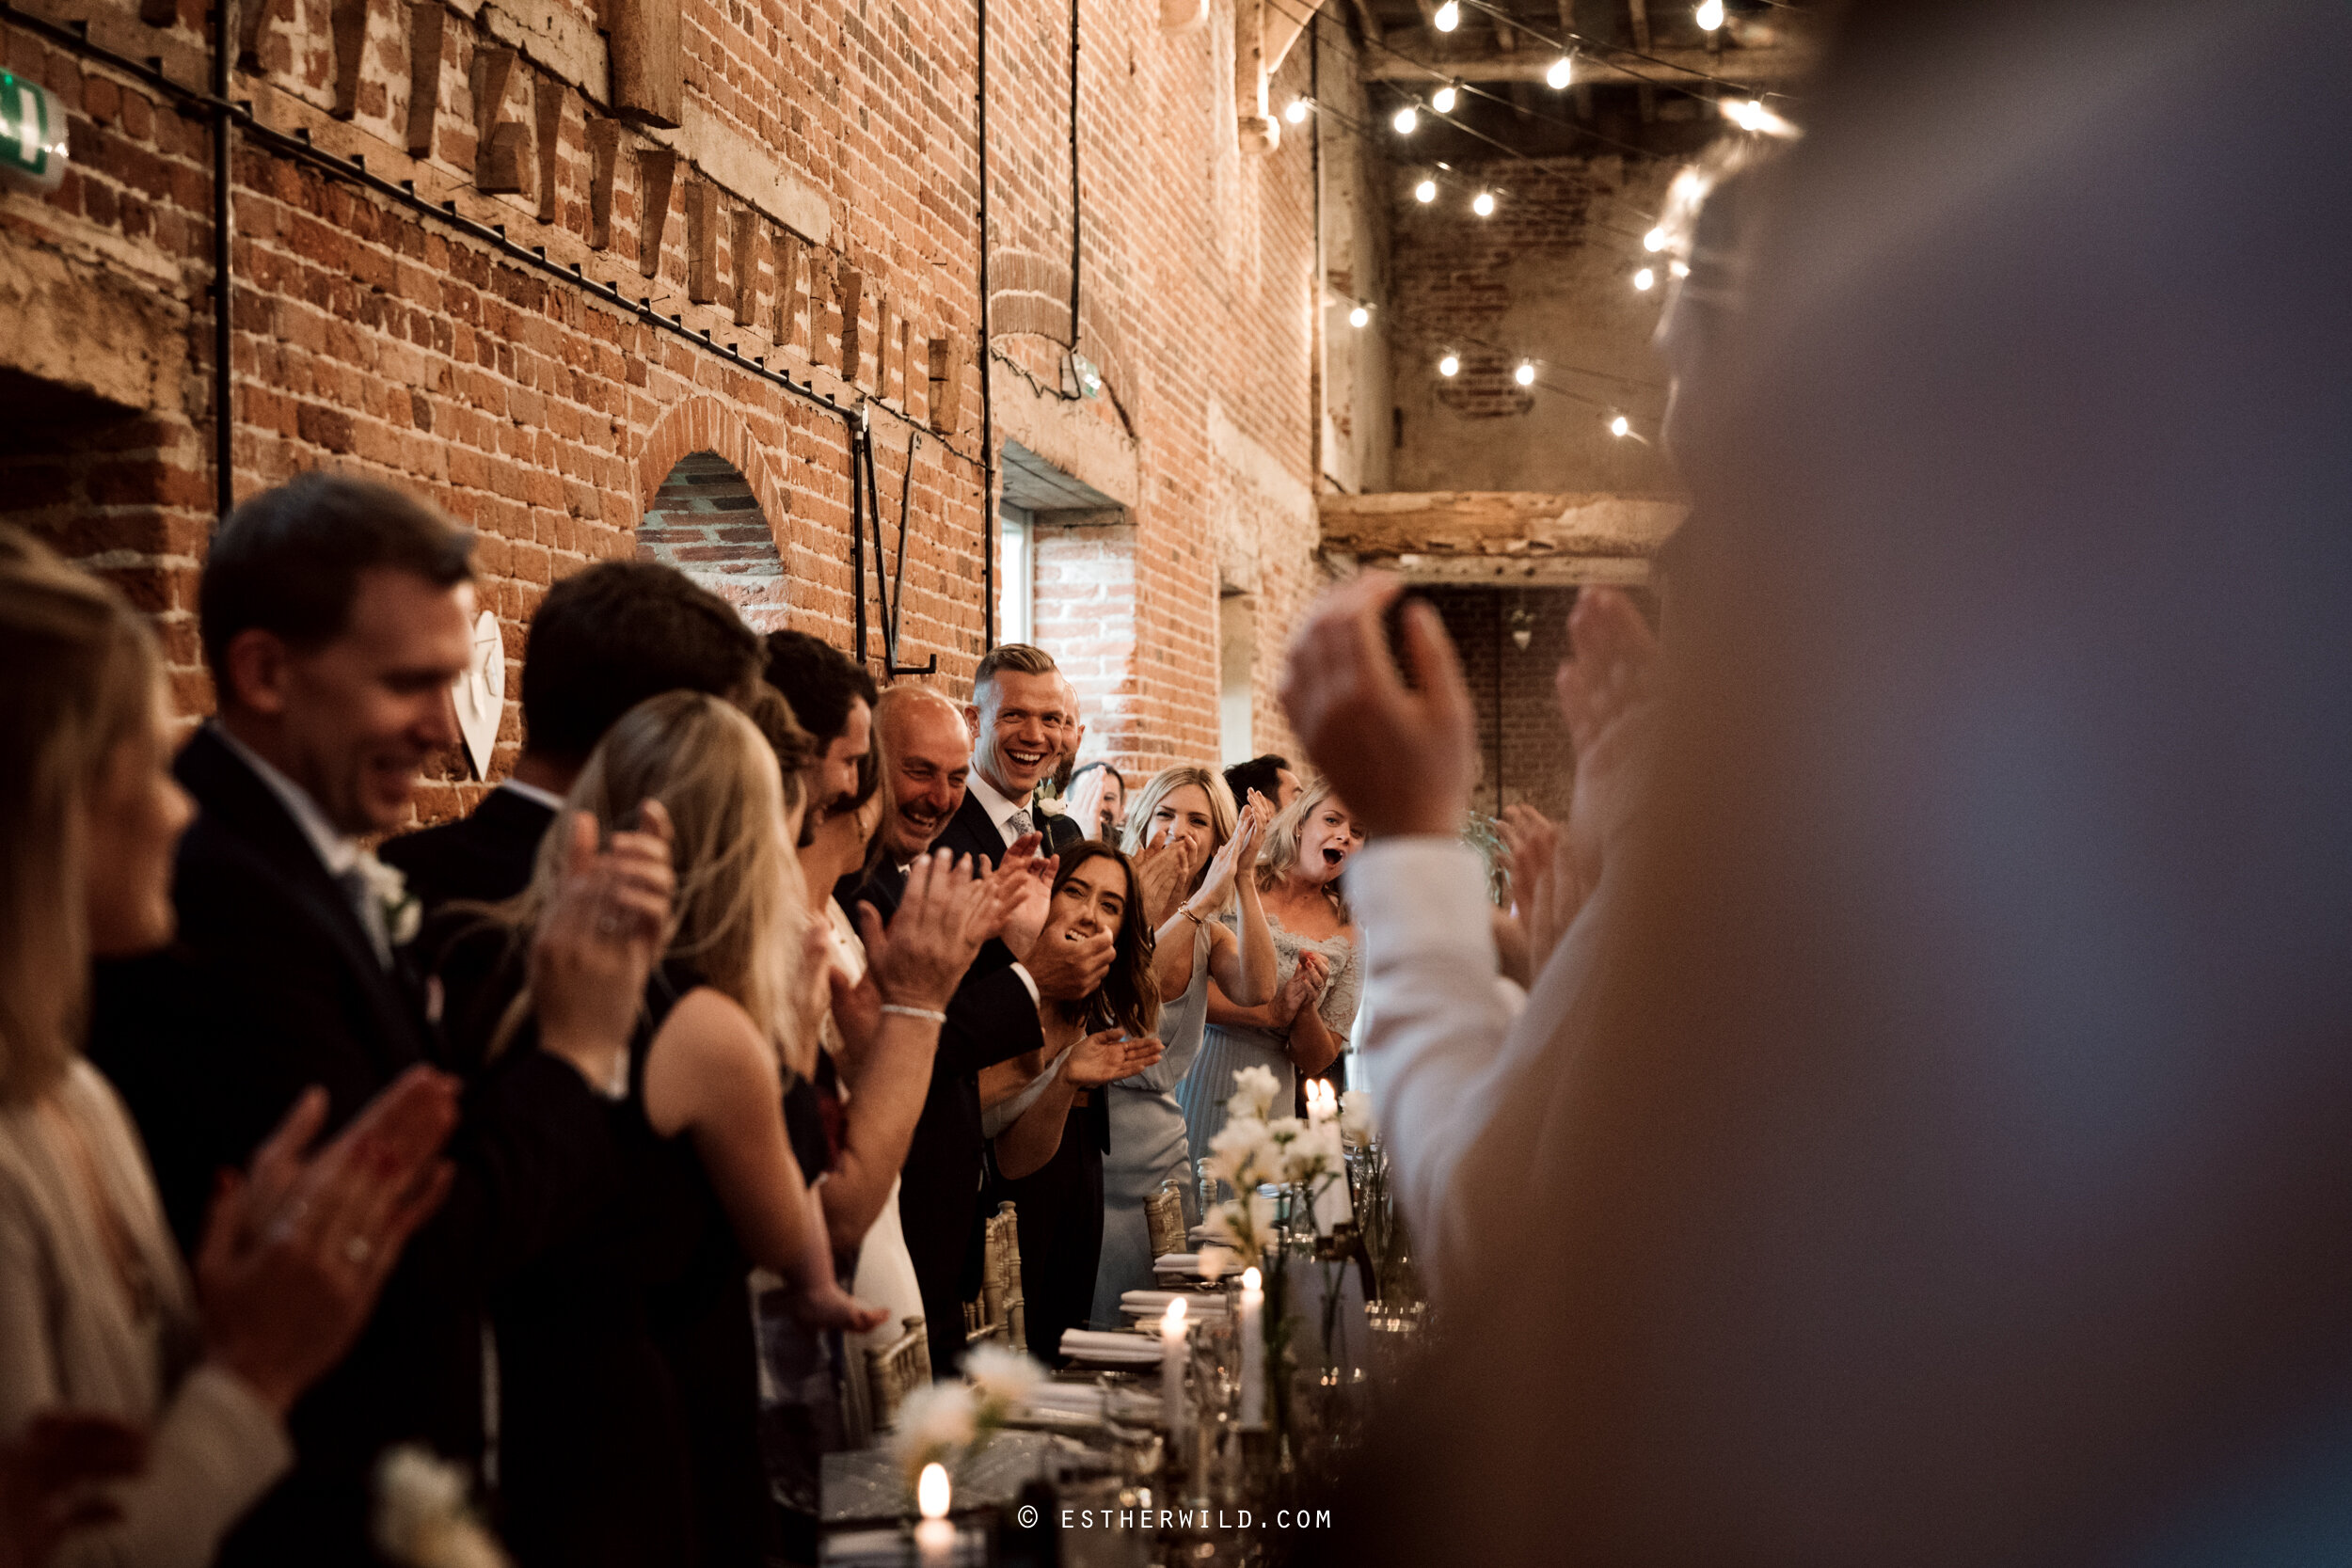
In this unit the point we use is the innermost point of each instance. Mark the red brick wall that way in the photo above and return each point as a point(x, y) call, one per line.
point(1522, 743)
point(377, 340)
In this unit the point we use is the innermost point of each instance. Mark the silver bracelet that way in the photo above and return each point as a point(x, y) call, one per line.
point(930, 1015)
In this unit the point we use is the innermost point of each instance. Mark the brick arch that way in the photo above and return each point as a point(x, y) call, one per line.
point(704, 483)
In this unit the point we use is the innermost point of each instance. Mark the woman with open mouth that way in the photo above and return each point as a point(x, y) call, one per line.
point(1317, 978)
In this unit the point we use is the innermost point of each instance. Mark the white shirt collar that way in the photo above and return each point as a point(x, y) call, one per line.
point(999, 809)
point(536, 795)
point(335, 851)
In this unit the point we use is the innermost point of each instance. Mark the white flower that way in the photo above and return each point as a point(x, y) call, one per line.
point(1356, 1123)
point(1052, 808)
point(937, 1423)
point(1313, 1153)
point(389, 888)
point(422, 1516)
point(1001, 1378)
point(1238, 1231)
point(1240, 1156)
point(1255, 1092)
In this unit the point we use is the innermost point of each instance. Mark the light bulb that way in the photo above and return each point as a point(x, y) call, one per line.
point(1620, 426)
point(1449, 364)
point(1296, 111)
point(1406, 118)
point(1426, 191)
point(1525, 374)
point(1483, 204)
point(1557, 77)
point(1359, 315)
point(1449, 16)
point(1680, 269)
point(1711, 15)
point(1442, 100)
point(1645, 280)
point(1654, 240)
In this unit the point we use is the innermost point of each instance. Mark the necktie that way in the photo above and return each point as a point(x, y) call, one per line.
point(354, 882)
point(1019, 823)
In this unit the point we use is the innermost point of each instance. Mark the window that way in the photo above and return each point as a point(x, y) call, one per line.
point(1016, 575)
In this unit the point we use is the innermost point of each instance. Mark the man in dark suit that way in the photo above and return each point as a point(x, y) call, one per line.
point(335, 615)
point(602, 640)
point(1019, 713)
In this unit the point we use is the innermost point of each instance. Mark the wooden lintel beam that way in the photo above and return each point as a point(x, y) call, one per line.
point(1491, 526)
point(1567, 571)
point(791, 288)
point(349, 23)
point(745, 260)
point(1762, 70)
point(604, 158)
point(702, 242)
point(656, 170)
point(426, 20)
point(547, 110)
point(497, 156)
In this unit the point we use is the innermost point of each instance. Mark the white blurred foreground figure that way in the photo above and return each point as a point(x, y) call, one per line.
point(1929, 1145)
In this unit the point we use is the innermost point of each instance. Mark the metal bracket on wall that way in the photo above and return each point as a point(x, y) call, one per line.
point(864, 505)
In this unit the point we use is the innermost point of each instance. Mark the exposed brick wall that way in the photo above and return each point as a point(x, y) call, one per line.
point(706, 522)
point(1523, 744)
point(830, 151)
point(1546, 278)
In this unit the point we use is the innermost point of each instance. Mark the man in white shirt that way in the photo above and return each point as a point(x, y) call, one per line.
point(1929, 1146)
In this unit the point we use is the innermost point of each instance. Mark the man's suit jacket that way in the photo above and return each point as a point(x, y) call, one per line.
point(485, 857)
point(273, 986)
point(990, 1019)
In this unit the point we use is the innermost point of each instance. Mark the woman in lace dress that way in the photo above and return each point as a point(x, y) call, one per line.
point(1199, 867)
point(1305, 1025)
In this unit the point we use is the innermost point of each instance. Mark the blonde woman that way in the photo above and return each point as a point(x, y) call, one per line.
point(1301, 1028)
point(1197, 859)
point(97, 1312)
point(600, 1450)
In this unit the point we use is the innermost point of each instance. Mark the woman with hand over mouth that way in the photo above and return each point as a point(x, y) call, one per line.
point(1317, 978)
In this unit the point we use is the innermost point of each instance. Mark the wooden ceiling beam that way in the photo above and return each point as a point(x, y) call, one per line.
point(1773, 68)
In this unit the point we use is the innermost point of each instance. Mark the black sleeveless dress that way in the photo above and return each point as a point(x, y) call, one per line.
point(594, 1441)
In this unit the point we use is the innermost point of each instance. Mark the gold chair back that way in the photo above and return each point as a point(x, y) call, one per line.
point(896, 1370)
point(1163, 1216)
point(1002, 1312)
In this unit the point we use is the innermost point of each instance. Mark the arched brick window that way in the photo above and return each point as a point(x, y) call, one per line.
point(706, 522)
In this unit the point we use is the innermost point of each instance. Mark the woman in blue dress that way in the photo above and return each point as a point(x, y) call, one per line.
point(1198, 871)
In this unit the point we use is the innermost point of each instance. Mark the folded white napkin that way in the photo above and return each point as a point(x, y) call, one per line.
point(1176, 1262)
point(1196, 1304)
point(1091, 1345)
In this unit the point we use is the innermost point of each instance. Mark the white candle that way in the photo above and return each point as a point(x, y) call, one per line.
point(1252, 1332)
point(936, 1537)
point(1172, 1355)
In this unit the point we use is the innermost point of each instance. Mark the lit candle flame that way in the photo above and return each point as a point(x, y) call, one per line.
point(1252, 1280)
point(931, 1491)
point(1172, 1321)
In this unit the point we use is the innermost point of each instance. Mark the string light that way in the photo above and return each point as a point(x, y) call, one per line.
point(1449, 16)
point(1680, 269)
point(1450, 366)
point(1406, 118)
point(1425, 192)
point(1359, 315)
point(1483, 204)
point(1749, 114)
point(1655, 240)
point(1525, 374)
point(1711, 15)
point(1557, 77)
point(1296, 111)
point(1645, 280)
point(1443, 98)
point(1620, 426)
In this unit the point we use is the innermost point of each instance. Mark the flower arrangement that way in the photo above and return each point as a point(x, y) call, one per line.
point(424, 1518)
point(950, 1423)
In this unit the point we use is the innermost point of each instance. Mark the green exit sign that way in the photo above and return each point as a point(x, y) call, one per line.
point(32, 135)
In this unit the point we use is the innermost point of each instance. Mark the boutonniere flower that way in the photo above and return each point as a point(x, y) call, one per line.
point(424, 1518)
point(1052, 808)
point(402, 912)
